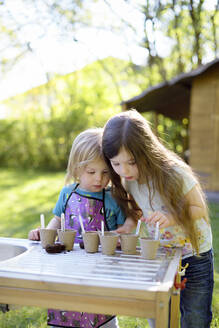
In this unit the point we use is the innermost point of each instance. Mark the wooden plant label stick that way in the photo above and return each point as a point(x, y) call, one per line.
point(138, 227)
point(81, 223)
point(63, 222)
point(102, 228)
point(156, 235)
point(42, 221)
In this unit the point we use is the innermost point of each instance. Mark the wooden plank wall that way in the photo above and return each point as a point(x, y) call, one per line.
point(204, 128)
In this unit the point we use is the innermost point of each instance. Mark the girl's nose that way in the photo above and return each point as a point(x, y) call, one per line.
point(124, 170)
point(98, 177)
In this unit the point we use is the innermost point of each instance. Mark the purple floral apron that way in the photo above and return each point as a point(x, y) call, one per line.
point(92, 213)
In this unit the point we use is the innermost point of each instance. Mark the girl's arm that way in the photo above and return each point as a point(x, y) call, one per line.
point(197, 208)
point(55, 223)
point(128, 226)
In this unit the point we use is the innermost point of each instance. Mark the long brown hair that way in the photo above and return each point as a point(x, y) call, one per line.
point(155, 163)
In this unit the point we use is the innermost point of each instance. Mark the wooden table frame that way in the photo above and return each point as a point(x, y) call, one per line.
point(90, 295)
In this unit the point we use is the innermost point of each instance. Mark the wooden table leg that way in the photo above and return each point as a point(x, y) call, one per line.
point(162, 310)
point(175, 303)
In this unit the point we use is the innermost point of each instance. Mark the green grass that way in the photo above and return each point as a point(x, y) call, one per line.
point(26, 194)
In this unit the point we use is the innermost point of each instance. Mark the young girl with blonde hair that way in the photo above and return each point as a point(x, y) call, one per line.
point(167, 191)
point(88, 197)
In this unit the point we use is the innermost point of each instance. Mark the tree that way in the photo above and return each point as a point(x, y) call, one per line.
point(187, 26)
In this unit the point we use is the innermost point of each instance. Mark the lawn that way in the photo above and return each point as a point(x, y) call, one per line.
point(26, 194)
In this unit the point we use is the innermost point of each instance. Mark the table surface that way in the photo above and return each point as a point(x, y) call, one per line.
point(131, 271)
point(123, 278)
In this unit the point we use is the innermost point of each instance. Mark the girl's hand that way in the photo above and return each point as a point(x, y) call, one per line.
point(165, 220)
point(34, 234)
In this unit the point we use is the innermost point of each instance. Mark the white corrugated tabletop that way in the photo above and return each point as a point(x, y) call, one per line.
point(77, 266)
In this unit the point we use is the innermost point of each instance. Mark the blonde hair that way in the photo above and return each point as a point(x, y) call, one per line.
point(157, 167)
point(86, 148)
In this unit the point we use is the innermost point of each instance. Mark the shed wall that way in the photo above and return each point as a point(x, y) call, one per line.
point(204, 128)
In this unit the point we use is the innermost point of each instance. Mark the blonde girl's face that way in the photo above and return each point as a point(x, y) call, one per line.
point(94, 176)
point(124, 165)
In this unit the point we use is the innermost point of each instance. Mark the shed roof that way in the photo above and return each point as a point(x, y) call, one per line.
point(170, 98)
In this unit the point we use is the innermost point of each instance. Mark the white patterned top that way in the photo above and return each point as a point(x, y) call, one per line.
point(174, 234)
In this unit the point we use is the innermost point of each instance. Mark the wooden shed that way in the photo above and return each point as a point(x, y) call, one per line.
point(193, 95)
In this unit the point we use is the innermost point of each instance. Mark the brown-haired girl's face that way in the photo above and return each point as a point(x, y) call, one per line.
point(124, 165)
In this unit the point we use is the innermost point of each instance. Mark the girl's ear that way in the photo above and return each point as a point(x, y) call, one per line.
point(78, 172)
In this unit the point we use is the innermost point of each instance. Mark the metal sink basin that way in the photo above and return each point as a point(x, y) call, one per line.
point(8, 251)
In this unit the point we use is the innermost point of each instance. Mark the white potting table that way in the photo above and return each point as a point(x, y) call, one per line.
point(119, 284)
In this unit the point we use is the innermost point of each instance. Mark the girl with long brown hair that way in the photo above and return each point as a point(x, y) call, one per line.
point(149, 178)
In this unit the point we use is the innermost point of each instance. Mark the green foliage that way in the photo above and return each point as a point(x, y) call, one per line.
point(174, 134)
point(130, 322)
point(24, 317)
point(214, 215)
point(40, 143)
point(44, 121)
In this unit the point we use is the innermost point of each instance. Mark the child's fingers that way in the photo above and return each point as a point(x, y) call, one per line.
point(163, 222)
point(160, 217)
point(37, 235)
point(152, 218)
point(34, 234)
point(30, 235)
point(156, 217)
